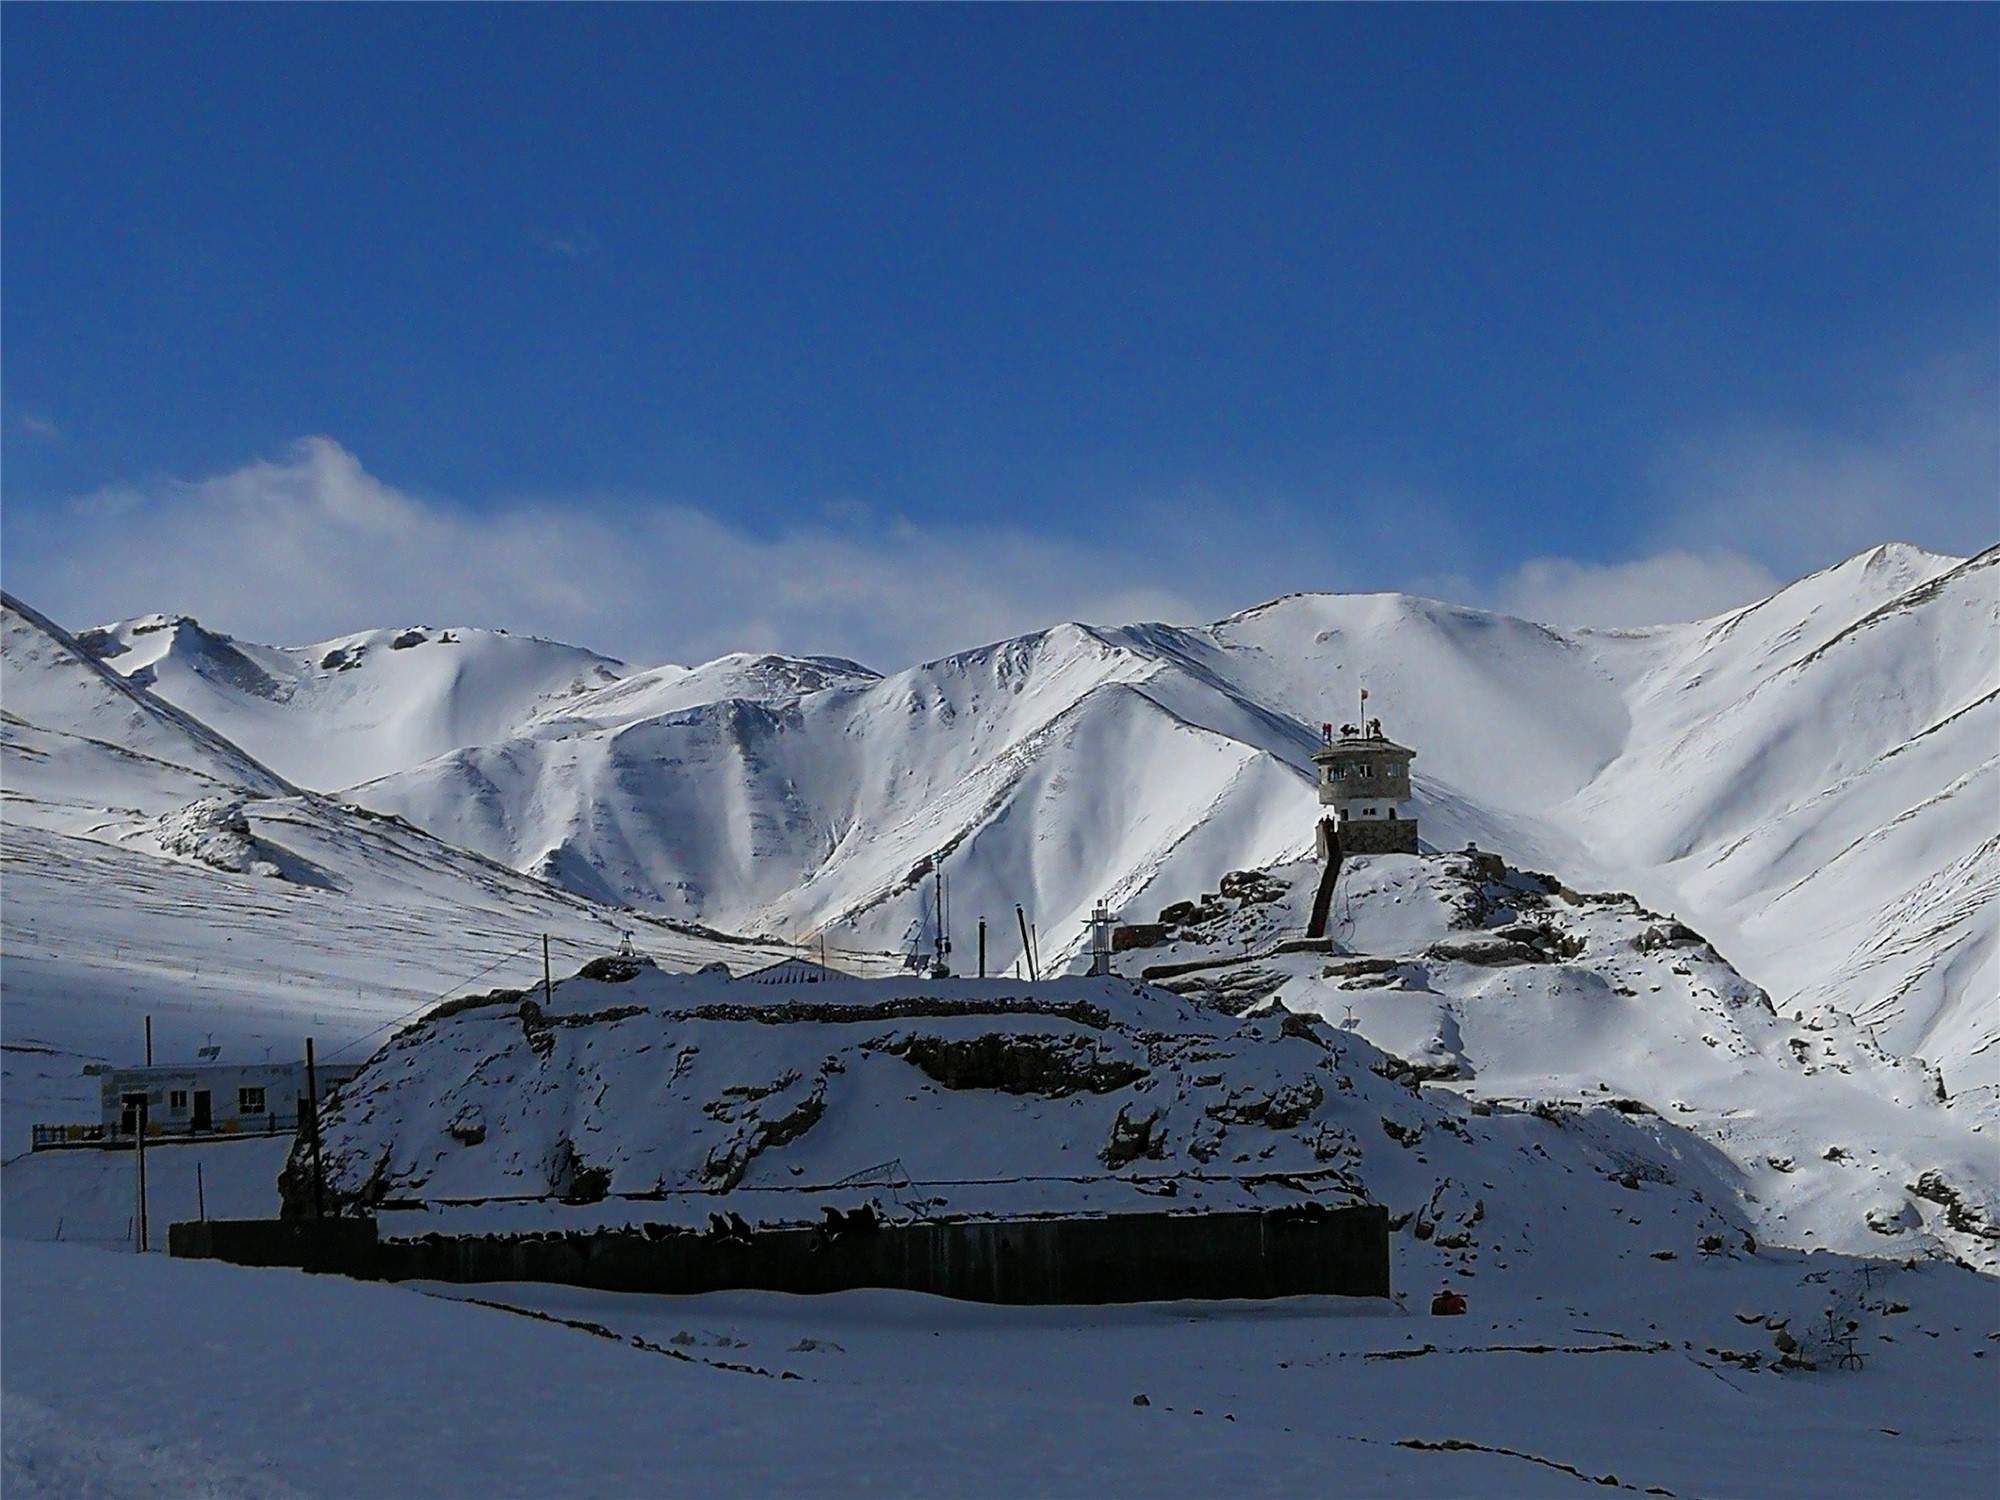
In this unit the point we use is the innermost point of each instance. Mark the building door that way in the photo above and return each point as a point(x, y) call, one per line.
point(204, 1111)
point(128, 1118)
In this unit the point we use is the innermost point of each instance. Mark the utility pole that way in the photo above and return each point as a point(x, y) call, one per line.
point(312, 1115)
point(1027, 944)
point(144, 1243)
point(982, 947)
point(548, 989)
point(145, 1099)
point(200, 1195)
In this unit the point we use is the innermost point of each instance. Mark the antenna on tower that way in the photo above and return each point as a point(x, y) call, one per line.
point(941, 962)
point(1100, 940)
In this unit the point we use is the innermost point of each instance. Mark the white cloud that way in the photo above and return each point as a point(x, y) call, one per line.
point(573, 244)
point(1739, 512)
point(314, 545)
point(1651, 591)
point(1926, 470)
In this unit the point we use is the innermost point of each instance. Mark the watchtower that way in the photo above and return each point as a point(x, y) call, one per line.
point(1364, 777)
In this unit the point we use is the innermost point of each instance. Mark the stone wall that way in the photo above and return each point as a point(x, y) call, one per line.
point(1379, 836)
point(1309, 1249)
point(1388, 772)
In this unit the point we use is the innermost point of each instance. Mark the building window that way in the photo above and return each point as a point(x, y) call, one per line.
point(249, 1101)
point(177, 1100)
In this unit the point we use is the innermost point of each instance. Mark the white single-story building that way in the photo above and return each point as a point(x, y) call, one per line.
point(211, 1098)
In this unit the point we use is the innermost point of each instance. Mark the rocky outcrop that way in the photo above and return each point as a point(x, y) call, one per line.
point(1015, 1063)
point(1486, 949)
point(1133, 1138)
point(1960, 1212)
point(728, 1161)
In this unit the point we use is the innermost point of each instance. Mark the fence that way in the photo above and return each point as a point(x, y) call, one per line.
point(158, 1133)
point(1141, 1257)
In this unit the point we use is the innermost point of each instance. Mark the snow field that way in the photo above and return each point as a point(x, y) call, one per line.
point(319, 1386)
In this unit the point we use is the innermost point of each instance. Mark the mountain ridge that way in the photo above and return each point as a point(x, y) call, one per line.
point(1693, 762)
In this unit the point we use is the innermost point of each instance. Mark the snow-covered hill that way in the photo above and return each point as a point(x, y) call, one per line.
point(1466, 1010)
point(83, 745)
point(1812, 779)
point(648, 1098)
point(1508, 987)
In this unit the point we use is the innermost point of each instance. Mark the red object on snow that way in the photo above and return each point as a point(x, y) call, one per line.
point(1447, 1304)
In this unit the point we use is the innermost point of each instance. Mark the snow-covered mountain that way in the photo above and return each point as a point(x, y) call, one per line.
point(356, 707)
point(152, 867)
point(83, 744)
point(1812, 779)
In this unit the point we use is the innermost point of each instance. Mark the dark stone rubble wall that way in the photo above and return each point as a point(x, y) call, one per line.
point(1379, 836)
point(1312, 1249)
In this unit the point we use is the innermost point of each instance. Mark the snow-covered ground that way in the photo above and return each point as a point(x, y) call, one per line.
point(139, 1376)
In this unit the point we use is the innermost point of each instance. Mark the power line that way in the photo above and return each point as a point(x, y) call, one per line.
point(461, 984)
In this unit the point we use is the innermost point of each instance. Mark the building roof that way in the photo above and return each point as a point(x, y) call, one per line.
point(1360, 744)
point(793, 971)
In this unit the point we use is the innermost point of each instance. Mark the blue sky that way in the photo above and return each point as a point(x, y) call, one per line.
point(921, 325)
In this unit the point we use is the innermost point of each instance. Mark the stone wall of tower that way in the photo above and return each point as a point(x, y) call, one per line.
point(1383, 836)
point(1350, 771)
